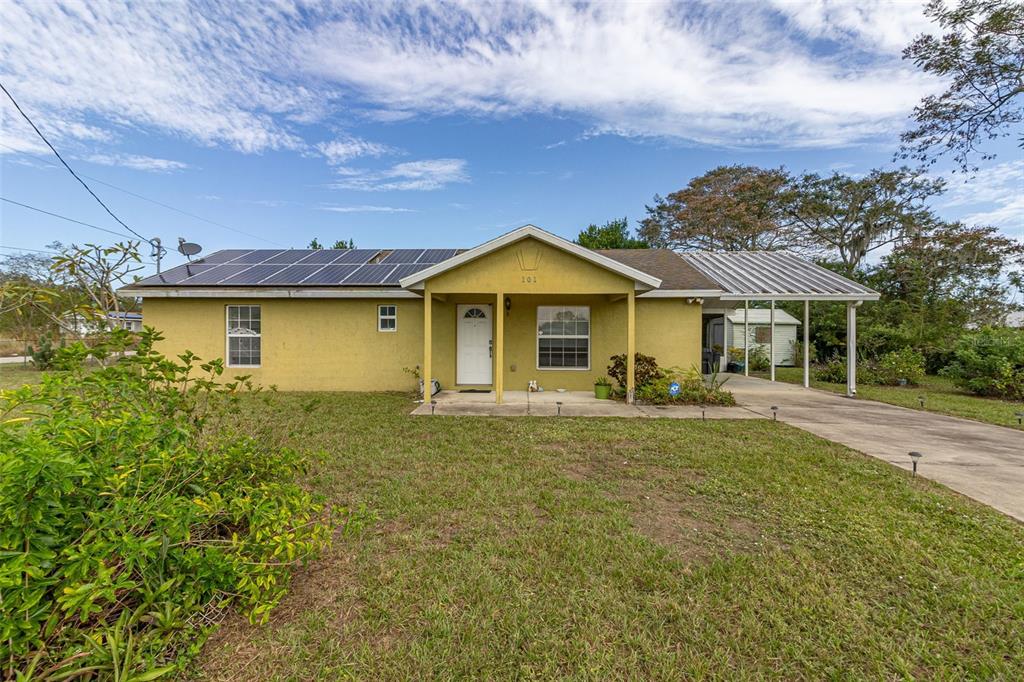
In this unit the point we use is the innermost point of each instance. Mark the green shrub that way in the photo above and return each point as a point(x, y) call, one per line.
point(831, 372)
point(693, 390)
point(989, 362)
point(896, 367)
point(645, 369)
point(44, 353)
point(130, 507)
point(757, 354)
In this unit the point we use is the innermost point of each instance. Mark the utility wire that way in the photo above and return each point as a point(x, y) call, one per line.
point(64, 217)
point(152, 201)
point(70, 170)
point(22, 248)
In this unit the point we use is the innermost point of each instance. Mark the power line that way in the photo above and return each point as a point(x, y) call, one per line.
point(22, 248)
point(152, 201)
point(64, 217)
point(70, 170)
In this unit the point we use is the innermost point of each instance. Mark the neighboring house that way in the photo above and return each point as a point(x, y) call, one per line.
point(80, 325)
point(526, 306)
point(728, 323)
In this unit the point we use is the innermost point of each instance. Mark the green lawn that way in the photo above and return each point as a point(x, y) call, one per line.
point(17, 375)
point(939, 393)
point(611, 548)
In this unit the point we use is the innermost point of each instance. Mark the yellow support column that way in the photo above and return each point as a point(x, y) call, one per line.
point(631, 347)
point(499, 348)
point(428, 332)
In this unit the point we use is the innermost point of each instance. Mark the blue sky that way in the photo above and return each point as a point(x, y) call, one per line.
point(443, 125)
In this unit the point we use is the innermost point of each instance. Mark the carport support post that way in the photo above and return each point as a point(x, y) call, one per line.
point(771, 341)
point(851, 349)
point(631, 347)
point(427, 350)
point(746, 338)
point(807, 344)
point(499, 349)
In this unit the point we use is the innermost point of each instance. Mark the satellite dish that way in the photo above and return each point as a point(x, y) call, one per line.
point(188, 249)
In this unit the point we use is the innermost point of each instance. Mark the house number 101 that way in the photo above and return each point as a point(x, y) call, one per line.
point(529, 279)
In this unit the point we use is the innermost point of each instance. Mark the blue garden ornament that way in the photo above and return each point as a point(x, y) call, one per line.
point(673, 389)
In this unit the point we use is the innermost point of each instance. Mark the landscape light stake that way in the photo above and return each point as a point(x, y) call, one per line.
point(702, 417)
point(433, 404)
point(920, 399)
point(559, 404)
point(1020, 418)
point(775, 413)
point(914, 456)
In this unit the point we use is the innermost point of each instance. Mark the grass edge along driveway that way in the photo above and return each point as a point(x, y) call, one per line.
point(940, 396)
point(626, 548)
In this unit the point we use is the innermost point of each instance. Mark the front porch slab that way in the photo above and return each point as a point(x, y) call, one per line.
point(573, 404)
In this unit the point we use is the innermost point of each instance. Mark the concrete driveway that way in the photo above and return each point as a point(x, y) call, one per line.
point(979, 460)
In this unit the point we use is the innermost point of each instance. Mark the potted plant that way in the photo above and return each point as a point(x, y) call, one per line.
point(602, 388)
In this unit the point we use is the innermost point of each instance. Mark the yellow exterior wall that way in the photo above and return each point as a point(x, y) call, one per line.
point(669, 329)
point(333, 344)
point(307, 344)
point(530, 267)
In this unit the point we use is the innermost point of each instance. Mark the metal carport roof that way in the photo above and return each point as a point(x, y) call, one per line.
point(775, 275)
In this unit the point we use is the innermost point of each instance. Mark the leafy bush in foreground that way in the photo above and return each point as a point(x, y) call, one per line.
point(692, 390)
point(130, 509)
point(989, 362)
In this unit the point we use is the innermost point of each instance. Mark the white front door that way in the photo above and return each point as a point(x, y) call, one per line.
point(473, 363)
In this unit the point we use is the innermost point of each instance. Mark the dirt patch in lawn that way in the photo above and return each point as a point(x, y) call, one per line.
point(663, 505)
point(326, 586)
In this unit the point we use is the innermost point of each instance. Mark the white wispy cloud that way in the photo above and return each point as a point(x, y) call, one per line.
point(427, 174)
point(246, 75)
point(735, 74)
point(992, 196)
point(137, 162)
point(344, 149)
point(213, 73)
point(365, 209)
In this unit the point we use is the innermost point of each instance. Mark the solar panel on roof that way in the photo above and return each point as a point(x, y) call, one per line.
point(353, 256)
point(404, 270)
point(403, 256)
point(253, 274)
point(258, 256)
point(215, 274)
point(432, 256)
point(224, 255)
point(322, 256)
point(176, 274)
point(371, 273)
point(331, 274)
point(293, 274)
point(290, 256)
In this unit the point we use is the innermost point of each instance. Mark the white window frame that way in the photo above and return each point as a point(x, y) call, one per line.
point(381, 317)
point(228, 335)
point(538, 337)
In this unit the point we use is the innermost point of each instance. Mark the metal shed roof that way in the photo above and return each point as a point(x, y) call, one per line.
point(775, 275)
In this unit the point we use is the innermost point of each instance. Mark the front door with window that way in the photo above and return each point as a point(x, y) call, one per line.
point(473, 364)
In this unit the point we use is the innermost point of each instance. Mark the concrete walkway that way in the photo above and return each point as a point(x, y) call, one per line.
point(568, 404)
point(981, 461)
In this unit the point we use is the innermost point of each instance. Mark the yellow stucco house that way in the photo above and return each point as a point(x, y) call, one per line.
point(526, 306)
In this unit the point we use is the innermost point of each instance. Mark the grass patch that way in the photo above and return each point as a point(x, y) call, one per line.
point(625, 548)
point(17, 375)
point(940, 396)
